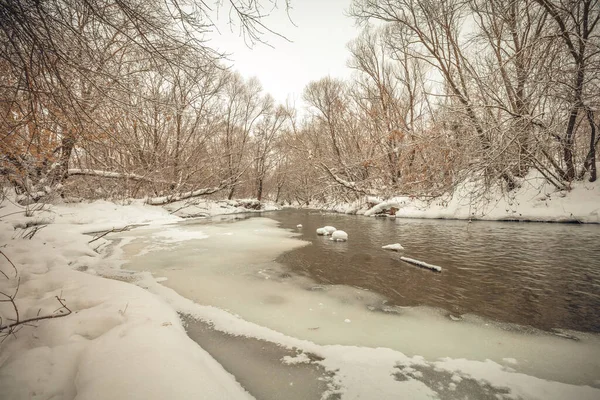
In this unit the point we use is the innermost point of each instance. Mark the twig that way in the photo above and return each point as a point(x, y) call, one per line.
point(28, 233)
point(29, 320)
point(11, 263)
point(125, 228)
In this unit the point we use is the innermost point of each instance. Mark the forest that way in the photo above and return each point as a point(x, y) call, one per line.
point(127, 99)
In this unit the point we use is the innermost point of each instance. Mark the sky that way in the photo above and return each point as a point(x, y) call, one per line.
point(318, 34)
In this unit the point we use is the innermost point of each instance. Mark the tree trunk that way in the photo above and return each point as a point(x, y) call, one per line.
point(278, 193)
point(176, 166)
point(66, 149)
point(590, 160)
point(259, 188)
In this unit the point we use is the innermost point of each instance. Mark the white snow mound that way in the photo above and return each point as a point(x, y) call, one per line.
point(299, 226)
point(321, 231)
point(339, 236)
point(329, 229)
point(393, 247)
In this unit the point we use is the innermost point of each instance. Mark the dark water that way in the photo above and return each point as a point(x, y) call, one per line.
point(538, 274)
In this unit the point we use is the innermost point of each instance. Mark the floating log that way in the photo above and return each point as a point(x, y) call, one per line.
point(422, 264)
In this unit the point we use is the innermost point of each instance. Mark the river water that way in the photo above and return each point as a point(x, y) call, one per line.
point(538, 274)
point(520, 298)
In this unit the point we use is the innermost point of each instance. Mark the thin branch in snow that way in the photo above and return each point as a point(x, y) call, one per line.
point(11, 263)
point(125, 228)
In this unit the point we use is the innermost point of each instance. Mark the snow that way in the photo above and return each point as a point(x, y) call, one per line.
point(321, 231)
point(422, 264)
point(534, 200)
point(299, 226)
point(201, 207)
point(329, 229)
point(178, 369)
point(521, 386)
point(121, 341)
point(298, 359)
point(339, 236)
point(393, 247)
point(124, 339)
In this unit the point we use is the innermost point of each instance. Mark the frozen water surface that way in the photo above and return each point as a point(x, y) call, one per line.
point(230, 265)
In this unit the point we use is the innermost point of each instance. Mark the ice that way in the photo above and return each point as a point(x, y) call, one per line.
point(364, 372)
point(285, 304)
point(339, 236)
point(393, 247)
point(125, 342)
point(178, 234)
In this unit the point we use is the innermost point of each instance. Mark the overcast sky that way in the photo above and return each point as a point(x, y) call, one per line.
point(317, 47)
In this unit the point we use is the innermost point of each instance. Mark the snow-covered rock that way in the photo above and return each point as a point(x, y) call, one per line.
point(339, 236)
point(299, 226)
point(321, 231)
point(329, 229)
point(393, 247)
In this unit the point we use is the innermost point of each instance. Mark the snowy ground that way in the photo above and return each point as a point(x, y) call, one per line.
point(535, 200)
point(120, 342)
point(124, 339)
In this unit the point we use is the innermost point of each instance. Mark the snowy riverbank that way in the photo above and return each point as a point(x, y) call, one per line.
point(124, 339)
point(534, 200)
point(120, 341)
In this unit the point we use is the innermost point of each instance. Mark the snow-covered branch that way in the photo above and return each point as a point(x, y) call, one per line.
point(348, 185)
point(159, 201)
point(108, 174)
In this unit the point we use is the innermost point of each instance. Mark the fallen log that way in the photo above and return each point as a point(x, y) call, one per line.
point(421, 264)
point(108, 174)
point(159, 201)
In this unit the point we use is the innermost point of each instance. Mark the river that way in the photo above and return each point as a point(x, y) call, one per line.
point(521, 296)
point(540, 274)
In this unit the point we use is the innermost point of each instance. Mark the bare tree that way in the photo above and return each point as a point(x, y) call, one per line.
point(63, 59)
point(265, 135)
point(577, 26)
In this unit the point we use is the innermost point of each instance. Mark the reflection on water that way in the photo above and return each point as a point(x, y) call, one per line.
point(544, 275)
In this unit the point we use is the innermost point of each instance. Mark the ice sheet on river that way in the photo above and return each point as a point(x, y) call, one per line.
point(384, 352)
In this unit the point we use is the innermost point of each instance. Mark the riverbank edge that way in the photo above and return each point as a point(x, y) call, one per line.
point(116, 337)
point(533, 201)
